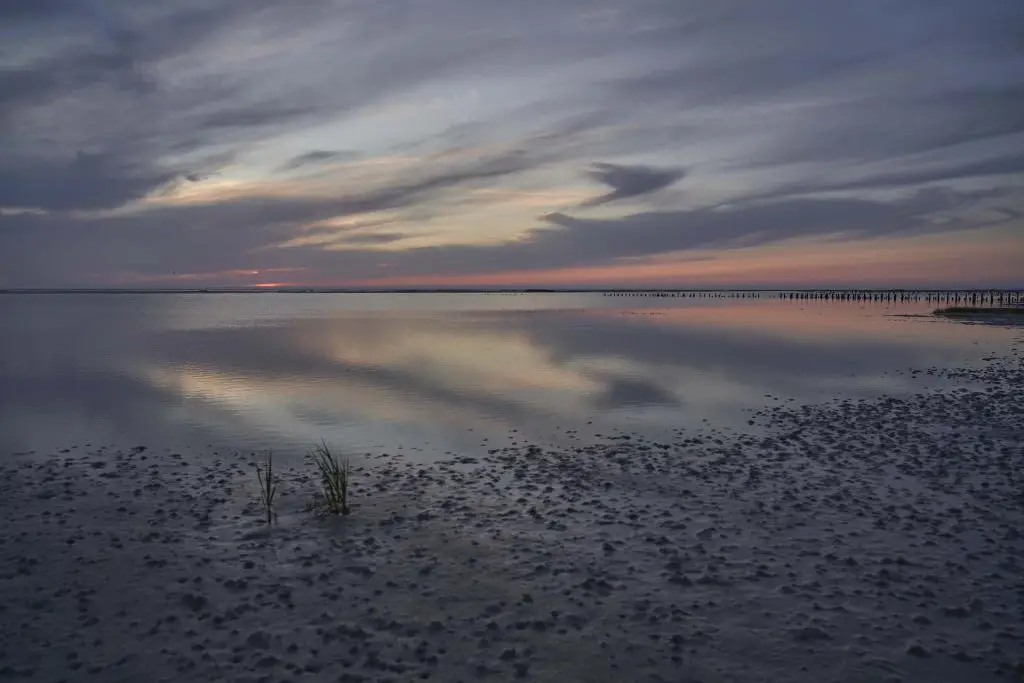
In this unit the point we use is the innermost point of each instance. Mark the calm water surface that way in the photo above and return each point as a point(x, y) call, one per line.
point(425, 374)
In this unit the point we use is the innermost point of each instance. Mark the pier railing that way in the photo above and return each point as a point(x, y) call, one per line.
point(965, 297)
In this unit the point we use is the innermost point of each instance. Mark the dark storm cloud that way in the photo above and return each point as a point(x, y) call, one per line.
point(629, 181)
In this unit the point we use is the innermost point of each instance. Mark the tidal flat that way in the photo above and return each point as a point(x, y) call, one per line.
point(865, 536)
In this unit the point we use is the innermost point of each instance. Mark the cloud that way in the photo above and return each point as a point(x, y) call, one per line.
point(771, 111)
point(231, 234)
point(374, 238)
point(726, 227)
point(627, 392)
point(576, 241)
point(629, 181)
point(315, 157)
point(47, 249)
point(1009, 164)
point(85, 181)
point(88, 122)
point(570, 241)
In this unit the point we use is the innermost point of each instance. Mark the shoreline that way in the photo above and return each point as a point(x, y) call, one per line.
point(1012, 316)
point(871, 540)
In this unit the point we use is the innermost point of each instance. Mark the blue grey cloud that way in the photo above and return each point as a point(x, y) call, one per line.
point(771, 108)
point(629, 181)
point(315, 157)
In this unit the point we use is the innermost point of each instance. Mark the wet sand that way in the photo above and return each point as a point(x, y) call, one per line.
point(849, 541)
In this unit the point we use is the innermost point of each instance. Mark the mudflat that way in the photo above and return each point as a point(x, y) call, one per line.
point(851, 540)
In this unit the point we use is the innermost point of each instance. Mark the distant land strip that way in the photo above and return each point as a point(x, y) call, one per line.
point(669, 291)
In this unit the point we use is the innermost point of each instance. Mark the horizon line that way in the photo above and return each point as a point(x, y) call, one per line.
point(481, 290)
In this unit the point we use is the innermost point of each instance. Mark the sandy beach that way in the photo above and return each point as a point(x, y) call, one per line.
point(847, 541)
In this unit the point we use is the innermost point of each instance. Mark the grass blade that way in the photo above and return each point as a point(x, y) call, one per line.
point(268, 485)
point(334, 478)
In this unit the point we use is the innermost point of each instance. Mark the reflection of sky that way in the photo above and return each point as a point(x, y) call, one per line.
point(369, 372)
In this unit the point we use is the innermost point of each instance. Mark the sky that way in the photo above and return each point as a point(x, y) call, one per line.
point(489, 143)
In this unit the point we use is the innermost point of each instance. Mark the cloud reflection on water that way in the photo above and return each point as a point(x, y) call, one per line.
point(283, 370)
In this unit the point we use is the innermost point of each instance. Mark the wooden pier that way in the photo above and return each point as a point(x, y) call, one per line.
point(954, 297)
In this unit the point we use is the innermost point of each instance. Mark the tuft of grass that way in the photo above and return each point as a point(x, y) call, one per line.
point(334, 475)
point(268, 485)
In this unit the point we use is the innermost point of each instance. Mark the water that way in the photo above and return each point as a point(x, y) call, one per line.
point(424, 374)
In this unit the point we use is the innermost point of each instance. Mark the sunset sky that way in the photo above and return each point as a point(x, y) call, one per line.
point(466, 143)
